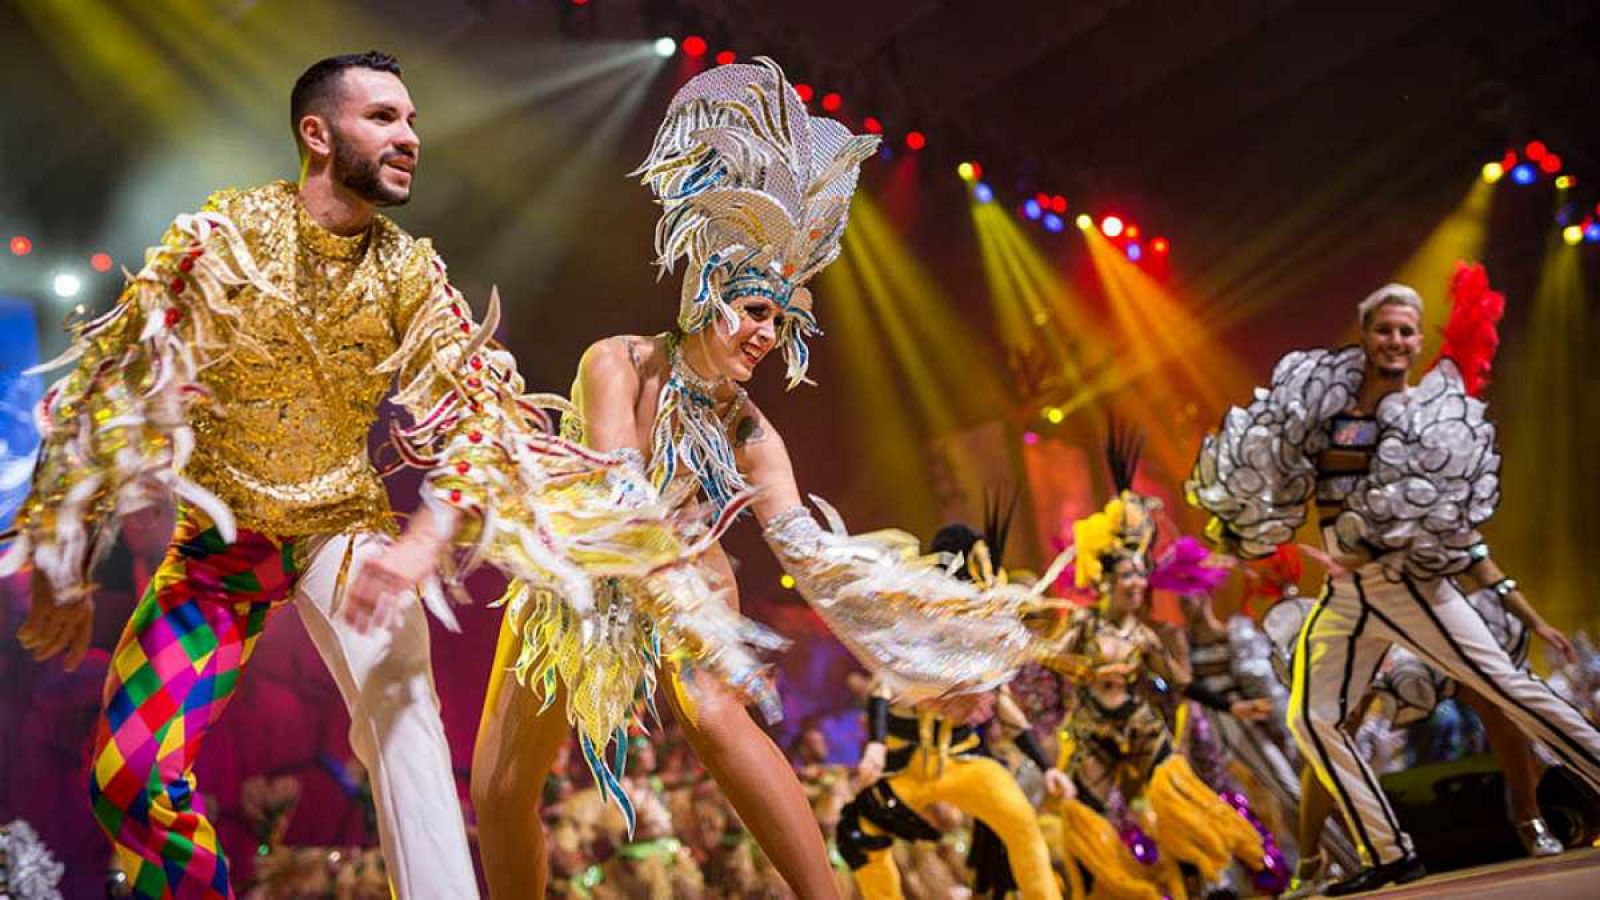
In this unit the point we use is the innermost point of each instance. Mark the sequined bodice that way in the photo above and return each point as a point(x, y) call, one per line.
point(284, 439)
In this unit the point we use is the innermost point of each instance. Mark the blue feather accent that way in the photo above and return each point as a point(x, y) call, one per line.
point(610, 787)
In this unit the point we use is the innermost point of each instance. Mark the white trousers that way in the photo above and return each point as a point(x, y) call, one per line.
point(1340, 647)
point(386, 679)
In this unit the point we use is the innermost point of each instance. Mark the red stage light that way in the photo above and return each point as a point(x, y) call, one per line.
point(1551, 163)
point(1058, 204)
point(831, 102)
point(1132, 231)
point(1043, 199)
point(1509, 161)
point(915, 140)
point(871, 125)
point(1536, 150)
point(805, 92)
point(580, 2)
point(100, 262)
point(1160, 245)
point(977, 170)
point(21, 246)
point(725, 58)
point(694, 46)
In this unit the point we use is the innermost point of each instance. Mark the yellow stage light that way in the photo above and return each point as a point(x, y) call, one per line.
point(1572, 234)
point(1493, 172)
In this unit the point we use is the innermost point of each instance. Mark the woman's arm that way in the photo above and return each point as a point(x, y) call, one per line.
point(765, 462)
point(608, 394)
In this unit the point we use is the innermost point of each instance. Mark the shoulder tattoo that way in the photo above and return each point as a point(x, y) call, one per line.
point(748, 431)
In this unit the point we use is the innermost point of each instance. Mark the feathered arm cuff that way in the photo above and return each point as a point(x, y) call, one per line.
point(115, 431)
point(921, 631)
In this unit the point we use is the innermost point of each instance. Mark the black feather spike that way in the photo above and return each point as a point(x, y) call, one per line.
point(997, 522)
point(1124, 444)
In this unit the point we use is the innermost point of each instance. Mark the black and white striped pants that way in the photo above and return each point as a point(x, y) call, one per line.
point(1340, 647)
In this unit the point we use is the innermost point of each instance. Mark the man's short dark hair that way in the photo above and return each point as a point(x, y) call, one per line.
point(319, 84)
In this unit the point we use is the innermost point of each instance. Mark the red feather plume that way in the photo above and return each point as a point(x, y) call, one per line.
point(1472, 334)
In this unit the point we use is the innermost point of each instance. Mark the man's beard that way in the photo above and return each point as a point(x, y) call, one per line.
point(360, 174)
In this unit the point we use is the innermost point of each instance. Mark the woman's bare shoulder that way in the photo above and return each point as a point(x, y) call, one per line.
point(623, 353)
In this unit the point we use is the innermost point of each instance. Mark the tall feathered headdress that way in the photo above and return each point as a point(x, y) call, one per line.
point(1126, 527)
point(754, 194)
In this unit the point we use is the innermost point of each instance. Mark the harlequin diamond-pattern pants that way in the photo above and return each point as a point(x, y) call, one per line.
point(177, 665)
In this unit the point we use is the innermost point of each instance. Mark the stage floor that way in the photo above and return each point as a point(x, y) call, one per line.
point(1574, 875)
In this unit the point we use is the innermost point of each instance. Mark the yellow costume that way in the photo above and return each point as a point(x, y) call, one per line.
point(932, 759)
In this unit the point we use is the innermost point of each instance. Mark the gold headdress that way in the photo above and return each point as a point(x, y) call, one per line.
point(754, 194)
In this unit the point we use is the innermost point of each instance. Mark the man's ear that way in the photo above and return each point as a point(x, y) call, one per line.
point(315, 134)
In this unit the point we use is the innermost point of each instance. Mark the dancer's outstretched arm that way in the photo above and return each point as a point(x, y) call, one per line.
point(1489, 575)
point(116, 430)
